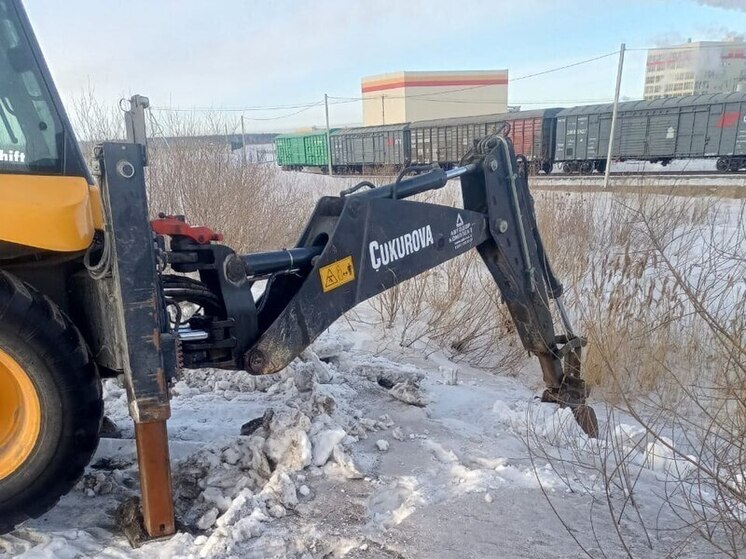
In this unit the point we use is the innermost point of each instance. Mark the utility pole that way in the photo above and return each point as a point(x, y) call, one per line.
point(328, 135)
point(243, 141)
point(383, 110)
point(614, 115)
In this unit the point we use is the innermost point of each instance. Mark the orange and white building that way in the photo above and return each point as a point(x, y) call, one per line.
point(413, 96)
point(696, 68)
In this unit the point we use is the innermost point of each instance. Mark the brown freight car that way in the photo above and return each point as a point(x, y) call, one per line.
point(445, 141)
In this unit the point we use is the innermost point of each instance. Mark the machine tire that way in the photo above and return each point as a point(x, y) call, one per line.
point(44, 350)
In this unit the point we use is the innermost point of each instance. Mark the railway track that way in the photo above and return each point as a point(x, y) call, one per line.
point(688, 174)
point(693, 183)
point(738, 176)
point(687, 183)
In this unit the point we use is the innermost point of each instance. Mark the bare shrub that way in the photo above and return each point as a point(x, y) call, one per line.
point(252, 205)
point(657, 285)
point(665, 313)
point(255, 206)
point(94, 120)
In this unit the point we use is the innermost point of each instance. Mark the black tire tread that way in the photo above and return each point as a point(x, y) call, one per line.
point(39, 321)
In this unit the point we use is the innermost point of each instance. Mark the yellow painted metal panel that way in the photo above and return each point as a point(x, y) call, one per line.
point(49, 212)
point(97, 206)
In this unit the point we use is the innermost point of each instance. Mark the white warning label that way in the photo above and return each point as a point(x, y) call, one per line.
point(462, 235)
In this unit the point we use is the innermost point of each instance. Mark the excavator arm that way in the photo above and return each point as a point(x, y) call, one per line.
point(369, 239)
point(354, 247)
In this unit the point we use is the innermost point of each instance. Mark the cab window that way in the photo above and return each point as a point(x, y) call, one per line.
point(31, 134)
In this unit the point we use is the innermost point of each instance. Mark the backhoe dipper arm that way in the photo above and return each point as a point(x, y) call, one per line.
point(376, 239)
point(363, 242)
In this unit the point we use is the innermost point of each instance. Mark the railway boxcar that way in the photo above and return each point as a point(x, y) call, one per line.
point(445, 141)
point(533, 135)
point(289, 151)
point(695, 126)
point(368, 148)
point(297, 151)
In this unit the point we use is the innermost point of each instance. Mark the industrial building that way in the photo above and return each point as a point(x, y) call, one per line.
point(696, 68)
point(413, 96)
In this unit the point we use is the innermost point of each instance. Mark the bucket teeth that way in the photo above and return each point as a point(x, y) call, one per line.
point(572, 393)
point(586, 418)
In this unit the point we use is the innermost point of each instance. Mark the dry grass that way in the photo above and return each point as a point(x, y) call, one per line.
point(658, 285)
point(254, 206)
point(687, 191)
point(655, 282)
point(454, 308)
point(661, 295)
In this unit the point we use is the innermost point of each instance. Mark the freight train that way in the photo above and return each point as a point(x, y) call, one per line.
point(577, 138)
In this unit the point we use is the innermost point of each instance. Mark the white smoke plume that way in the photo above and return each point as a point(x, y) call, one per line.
point(721, 33)
point(725, 4)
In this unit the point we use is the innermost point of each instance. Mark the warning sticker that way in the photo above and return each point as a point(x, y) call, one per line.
point(336, 274)
point(462, 235)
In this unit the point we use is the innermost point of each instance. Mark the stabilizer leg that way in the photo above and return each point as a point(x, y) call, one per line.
point(148, 357)
point(155, 478)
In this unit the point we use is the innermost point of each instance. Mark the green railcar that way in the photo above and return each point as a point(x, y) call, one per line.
point(290, 151)
point(295, 151)
point(317, 152)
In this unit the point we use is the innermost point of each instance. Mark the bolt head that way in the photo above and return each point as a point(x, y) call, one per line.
point(125, 169)
point(256, 361)
point(235, 270)
point(502, 225)
point(493, 165)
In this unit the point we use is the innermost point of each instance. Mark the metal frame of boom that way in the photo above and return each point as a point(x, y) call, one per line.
point(354, 247)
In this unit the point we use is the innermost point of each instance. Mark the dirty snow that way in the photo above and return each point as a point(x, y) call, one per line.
point(449, 461)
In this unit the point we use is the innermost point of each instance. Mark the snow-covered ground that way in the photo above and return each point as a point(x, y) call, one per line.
point(443, 465)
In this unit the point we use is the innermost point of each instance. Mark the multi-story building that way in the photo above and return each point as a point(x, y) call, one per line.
point(413, 96)
point(696, 68)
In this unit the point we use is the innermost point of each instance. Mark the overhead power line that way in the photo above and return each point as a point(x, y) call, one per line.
point(516, 102)
point(565, 67)
point(720, 45)
point(299, 108)
point(236, 109)
point(342, 100)
point(448, 92)
point(289, 114)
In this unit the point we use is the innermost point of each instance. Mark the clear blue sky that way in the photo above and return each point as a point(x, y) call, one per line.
point(234, 53)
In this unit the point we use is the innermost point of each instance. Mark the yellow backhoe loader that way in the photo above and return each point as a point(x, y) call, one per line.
point(92, 283)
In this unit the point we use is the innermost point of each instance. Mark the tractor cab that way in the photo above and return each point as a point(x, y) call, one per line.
point(46, 189)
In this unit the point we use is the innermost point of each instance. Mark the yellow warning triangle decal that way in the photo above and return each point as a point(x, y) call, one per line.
point(331, 279)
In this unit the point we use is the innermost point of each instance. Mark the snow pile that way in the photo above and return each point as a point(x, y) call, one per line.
point(384, 371)
point(654, 453)
point(116, 482)
point(548, 422)
point(396, 502)
point(230, 491)
point(226, 383)
point(117, 408)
